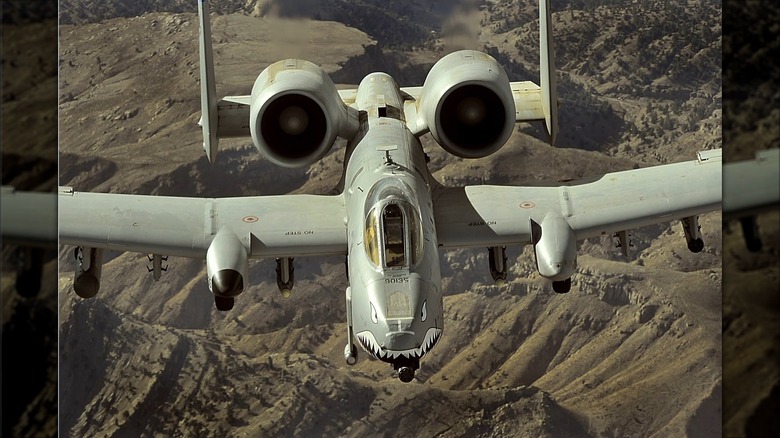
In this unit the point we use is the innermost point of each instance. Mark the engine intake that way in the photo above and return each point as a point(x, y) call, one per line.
point(467, 104)
point(296, 113)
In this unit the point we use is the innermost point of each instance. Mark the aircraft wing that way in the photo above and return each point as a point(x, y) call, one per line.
point(28, 218)
point(752, 186)
point(498, 215)
point(267, 226)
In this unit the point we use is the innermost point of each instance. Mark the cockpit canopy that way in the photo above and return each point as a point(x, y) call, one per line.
point(393, 233)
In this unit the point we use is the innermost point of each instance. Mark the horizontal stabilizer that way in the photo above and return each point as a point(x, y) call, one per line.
point(233, 117)
point(233, 111)
point(528, 101)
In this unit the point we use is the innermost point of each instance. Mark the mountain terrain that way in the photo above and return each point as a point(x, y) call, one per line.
point(634, 349)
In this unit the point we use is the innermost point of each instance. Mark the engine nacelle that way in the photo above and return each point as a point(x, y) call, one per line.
point(89, 267)
point(227, 265)
point(555, 247)
point(467, 104)
point(296, 113)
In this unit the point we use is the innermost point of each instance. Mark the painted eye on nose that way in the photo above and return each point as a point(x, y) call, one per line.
point(374, 316)
point(424, 312)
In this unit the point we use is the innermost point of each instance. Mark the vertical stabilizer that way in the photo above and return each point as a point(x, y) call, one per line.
point(547, 70)
point(208, 92)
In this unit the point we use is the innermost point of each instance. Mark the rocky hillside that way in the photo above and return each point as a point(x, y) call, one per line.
point(402, 23)
point(635, 78)
point(146, 357)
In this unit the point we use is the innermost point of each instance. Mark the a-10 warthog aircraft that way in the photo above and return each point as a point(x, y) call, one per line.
point(391, 217)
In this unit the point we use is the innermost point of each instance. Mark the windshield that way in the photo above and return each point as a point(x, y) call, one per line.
point(392, 234)
point(393, 221)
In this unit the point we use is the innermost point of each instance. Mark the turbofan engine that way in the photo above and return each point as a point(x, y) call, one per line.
point(467, 104)
point(296, 113)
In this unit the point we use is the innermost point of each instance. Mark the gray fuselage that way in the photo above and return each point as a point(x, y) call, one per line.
point(394, 298)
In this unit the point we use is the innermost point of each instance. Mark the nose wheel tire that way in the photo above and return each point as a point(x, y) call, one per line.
point(224, 304)
point(562, 287)
point(696, 245)
point(406, 368)
point(406, 374)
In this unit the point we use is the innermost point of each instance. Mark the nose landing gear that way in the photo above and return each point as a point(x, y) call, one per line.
point(562, 286)
point(405, 374)
point(406, 369)
point(350, 353)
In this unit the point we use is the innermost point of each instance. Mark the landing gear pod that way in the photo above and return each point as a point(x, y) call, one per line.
point(89, 267)
point(227, 267)
point(555, 247)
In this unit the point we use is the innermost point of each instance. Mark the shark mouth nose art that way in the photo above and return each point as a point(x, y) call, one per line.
point(371, 346)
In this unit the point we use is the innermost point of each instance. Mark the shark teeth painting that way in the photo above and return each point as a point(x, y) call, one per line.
point(371, 346)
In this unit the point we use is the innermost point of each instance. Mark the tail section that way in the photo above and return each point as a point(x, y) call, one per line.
point(547, 70)
point(208, 92)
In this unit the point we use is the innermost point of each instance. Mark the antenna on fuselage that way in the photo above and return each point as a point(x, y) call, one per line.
point(387, 150)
